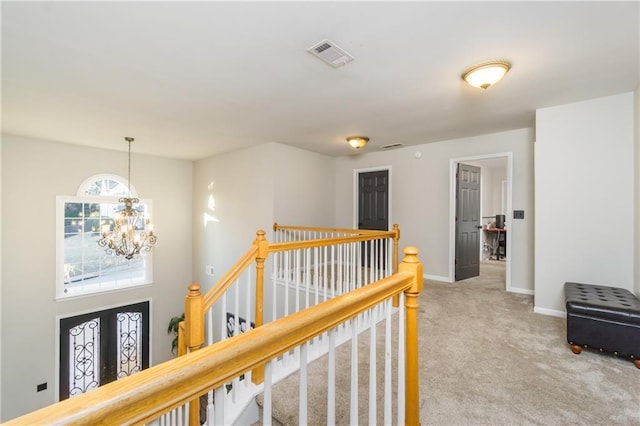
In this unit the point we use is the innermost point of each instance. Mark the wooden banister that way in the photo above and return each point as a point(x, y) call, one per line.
point(229, 277)
point(277, 227)
point(295, 245)
point(146, 395)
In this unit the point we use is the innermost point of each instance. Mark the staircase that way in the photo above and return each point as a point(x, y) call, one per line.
point(334, 298)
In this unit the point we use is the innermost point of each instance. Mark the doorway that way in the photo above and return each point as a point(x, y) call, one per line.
point(496, 171)
point(100, 347)
point(372, 188)
point(373, 200)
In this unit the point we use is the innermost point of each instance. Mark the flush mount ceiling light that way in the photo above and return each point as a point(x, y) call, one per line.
point(357, 141)
point(486, 74)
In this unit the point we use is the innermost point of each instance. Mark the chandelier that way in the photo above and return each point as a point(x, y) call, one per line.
point(132, 233)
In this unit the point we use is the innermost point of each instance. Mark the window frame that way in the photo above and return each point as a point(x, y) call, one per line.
point(106, 286)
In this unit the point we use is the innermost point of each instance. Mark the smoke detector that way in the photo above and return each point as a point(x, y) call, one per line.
point(330, 53)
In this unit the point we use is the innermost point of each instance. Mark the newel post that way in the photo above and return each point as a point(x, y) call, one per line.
point(194, 335)
point(257, 375)
point(412, 265)
point(194, 318)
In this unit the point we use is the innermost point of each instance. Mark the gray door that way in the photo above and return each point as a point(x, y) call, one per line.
point(373, 200)
point(373, 212)
point(467, 222)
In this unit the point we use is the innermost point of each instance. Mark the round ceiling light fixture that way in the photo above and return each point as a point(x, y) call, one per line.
point(486, 74)
point(357, 141)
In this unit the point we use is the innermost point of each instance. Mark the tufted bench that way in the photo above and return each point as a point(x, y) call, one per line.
point(605, 318)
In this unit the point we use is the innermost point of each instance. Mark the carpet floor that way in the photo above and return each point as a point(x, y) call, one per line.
point(485, 359)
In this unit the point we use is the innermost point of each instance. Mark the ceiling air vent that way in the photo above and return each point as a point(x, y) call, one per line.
point(392, 145)
point(330, 53)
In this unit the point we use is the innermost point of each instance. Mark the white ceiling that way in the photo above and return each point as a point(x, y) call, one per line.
point(194, 79)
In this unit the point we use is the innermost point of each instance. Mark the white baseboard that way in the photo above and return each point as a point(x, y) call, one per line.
point(436, 278)
point(551, 312)
point(520, 291)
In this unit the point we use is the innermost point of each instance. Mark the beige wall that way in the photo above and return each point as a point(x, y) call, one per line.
point(304, 187)
point(584, 188)
point(253, 188)
point(421, 194)
point(34, 172)
point(636, 138)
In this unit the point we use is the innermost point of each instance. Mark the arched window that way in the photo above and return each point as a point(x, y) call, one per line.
point(82, 266)
point(105, 185)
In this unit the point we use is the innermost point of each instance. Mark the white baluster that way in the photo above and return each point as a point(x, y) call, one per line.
point(286, 284)
point(298, 269)
point(401, 359)
point(220, 398)
point(302, 406)
point(266, 411)
point(331, 379)
point(307, 277)
point(354, 374)
point(372, 369)
point(387, 363)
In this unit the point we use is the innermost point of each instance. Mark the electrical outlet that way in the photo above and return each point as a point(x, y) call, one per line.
point(209, 270)
point(41, 387)
point(518, 214)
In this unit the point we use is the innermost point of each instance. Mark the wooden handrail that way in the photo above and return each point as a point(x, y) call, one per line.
point(230, 277)
point(154, 391)
point(295, 245)
point(277, 227)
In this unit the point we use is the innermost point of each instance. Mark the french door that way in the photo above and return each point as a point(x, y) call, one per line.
point(101, 347)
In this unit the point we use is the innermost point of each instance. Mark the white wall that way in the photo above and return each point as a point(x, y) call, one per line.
point(304, 187)
point(499, 175)
point(253, 188)
point(636, 138)
point(584, 171)
point(34, 172)
point(420, 191)
point(1, 280)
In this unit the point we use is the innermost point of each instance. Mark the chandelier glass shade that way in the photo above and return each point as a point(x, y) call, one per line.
point(132, 233)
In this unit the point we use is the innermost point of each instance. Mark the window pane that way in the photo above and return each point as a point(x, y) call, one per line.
point(73, 210)
point(86, 266)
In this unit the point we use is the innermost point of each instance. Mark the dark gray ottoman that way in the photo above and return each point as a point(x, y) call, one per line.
point(604, 318)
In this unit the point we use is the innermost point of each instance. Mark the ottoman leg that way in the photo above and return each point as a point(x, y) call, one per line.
point(577, 349)
point(637, 362)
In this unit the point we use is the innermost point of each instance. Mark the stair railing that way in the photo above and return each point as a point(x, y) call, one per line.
point(308, 265)
point(146, 396)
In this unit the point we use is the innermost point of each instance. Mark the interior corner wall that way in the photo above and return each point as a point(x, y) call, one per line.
point(420, 195)
point(233, 198)
point(584, 171)
point(251, 189)
point(304, 187)
point(34, 172)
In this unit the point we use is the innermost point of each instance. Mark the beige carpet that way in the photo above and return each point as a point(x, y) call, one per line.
point(487, 359)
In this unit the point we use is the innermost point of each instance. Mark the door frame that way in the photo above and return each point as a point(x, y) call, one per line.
point(56, 392)
point(453, 165)
point(356, 173)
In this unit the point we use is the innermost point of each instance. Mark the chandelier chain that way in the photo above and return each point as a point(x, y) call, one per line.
point(132, 233)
